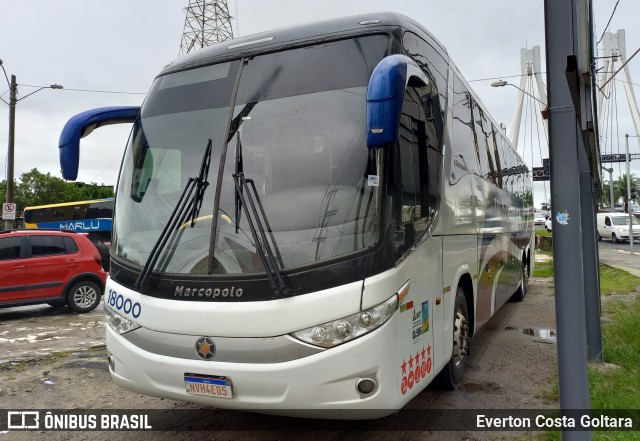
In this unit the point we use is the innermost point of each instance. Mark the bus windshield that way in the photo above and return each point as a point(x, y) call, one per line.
point(295, 129)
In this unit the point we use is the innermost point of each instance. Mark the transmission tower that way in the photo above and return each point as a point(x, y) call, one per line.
point(207, 22)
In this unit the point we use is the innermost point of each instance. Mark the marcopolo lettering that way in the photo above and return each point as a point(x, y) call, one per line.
point(124, 304)
point(181, 291)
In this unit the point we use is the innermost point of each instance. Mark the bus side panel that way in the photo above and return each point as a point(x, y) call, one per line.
point(459, 257)
point(418, 347)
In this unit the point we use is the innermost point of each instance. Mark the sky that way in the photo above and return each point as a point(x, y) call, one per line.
point(108, 53)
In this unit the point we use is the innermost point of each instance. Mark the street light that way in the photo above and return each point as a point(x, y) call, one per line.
point(13, 100)
point(503, 83)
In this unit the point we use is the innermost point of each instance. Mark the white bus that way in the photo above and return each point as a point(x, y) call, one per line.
point(317, 218)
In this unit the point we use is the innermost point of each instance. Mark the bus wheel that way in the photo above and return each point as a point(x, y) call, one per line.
point(451, 375)
point(84, 296)
point(521, 292)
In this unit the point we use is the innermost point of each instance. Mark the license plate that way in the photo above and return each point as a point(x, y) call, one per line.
point(209, 385)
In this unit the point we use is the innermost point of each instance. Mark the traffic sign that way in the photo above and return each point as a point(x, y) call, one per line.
point(8, 211)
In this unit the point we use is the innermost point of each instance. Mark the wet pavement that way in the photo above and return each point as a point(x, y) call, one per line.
point(30, 332)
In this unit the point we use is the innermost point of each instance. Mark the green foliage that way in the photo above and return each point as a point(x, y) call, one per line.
point(619, 188)
point(543, 269)
point(36, 188)
point(614, 280)
point(617, 388)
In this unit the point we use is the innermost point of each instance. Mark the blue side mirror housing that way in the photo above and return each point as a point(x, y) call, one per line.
point(385, 95)
point(83, 124)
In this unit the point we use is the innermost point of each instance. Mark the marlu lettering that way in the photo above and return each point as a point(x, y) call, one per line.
point(181, 291)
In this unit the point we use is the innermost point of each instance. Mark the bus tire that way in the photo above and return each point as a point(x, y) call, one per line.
point(451, 374)
point(521, 292)
point(84, 296)
point(105, 255)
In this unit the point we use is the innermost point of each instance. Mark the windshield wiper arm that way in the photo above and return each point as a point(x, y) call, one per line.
point(188, 203)
point(246, 191)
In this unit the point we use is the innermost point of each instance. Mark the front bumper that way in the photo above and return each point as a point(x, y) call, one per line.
point(321, 385)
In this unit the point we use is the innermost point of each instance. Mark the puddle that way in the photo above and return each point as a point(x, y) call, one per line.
point(543, 334)
point(471, 387)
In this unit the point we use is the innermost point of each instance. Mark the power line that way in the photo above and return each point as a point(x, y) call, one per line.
point(609, 22)
point(494, 78)
point(91, 90)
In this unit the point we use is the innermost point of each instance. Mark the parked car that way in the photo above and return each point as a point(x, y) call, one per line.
point(634, 209)
point(616, 226)
point(55, 267)
point(548, 224)
point(539, 217)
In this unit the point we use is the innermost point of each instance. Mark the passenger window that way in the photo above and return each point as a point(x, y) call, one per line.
point(607, 221)
point(46, 245)
point(412, 174)
point(10, 248)
point(70, 245)
point(464, 143)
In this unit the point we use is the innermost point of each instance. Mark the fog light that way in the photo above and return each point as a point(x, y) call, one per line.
point(365, 386)
point(318, 334)
point(112, 363)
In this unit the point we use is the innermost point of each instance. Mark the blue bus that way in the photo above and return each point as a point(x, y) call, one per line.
point(93, 217)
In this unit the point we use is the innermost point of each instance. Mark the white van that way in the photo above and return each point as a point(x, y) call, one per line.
point(616, 226)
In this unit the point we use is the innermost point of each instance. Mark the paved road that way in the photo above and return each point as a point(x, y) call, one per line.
point(29, 332)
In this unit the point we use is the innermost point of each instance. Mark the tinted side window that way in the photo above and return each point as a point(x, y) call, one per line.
point(432, 63)
point(496, 137)
point(10, 248)
point(100, 209)
point(464, 141)
point(415, 175)
point(46, 245)
point(70, 245)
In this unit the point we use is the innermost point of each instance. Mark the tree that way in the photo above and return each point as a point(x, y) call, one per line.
point(36, 188)
point(620, 188)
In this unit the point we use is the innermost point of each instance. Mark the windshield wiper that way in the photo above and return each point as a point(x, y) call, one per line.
point(246, 191)
point(189, 203)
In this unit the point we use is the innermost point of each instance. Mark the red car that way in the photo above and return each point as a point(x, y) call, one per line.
point(54, 267)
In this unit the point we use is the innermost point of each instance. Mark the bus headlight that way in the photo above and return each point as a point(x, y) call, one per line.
point(348, 328)
point(118, 323)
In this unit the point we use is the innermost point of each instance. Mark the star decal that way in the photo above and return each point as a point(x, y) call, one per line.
point(423, 351)
point(429, 350)
point(404, 366)
point(417, 357)
point(411, 362)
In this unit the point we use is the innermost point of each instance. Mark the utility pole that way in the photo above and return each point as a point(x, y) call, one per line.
point(565, 138)
point(13, 92)
point(13, 100)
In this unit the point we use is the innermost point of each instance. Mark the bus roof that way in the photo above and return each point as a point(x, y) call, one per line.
point(66, 204)
point(304, 34)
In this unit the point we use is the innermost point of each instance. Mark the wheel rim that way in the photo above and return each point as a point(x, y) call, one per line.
point(460, 337)
point(84, 296)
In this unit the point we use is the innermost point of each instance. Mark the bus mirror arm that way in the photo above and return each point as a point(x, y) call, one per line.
point(385, 95)
point(82, 125)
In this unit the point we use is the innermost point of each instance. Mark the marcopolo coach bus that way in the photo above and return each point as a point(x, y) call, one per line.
point(318, 217)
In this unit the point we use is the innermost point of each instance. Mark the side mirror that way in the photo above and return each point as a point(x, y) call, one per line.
point(83, 124)
point(385, 95)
